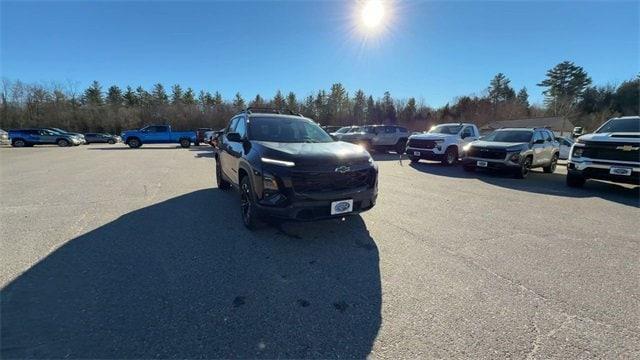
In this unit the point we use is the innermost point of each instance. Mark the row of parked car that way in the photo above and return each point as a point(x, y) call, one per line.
point(152, 134)
point(284, 165)
point(613, 148)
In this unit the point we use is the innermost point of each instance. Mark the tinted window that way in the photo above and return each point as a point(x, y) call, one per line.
point(401, 129)
point(547, 136)
point(390, 129)
point(232, 125)
point(467, 132)
point(620, 125)
point(294, 130)
point(89, 134)
point(537, 136)
point(241, 127)
point(509, 136)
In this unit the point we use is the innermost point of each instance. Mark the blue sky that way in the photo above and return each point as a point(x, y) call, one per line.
point(433, 51)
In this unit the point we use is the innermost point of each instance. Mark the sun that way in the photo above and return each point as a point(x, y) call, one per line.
point(372, 14)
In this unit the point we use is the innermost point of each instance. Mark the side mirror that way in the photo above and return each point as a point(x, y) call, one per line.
point(234, 137)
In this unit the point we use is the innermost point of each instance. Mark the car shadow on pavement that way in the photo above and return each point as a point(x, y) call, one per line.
point(540, 183)
point(203, 152)
point(184, 279)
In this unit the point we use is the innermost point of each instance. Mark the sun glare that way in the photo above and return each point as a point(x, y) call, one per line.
point(372, 14)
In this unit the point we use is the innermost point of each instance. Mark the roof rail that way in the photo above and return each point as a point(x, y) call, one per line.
point(269, 110)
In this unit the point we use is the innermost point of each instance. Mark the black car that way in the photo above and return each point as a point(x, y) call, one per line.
point(286, 166)
point(101, 138)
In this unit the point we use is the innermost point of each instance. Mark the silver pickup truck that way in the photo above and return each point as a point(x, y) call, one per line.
point(611, 153)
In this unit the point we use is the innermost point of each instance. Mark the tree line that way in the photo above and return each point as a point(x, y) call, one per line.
point(567, 89)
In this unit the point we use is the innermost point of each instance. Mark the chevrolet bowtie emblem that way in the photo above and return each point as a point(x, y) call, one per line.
point(342, 169)
point(627, 148)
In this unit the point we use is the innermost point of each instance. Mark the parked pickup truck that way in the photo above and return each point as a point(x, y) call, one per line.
point(444, 142)
point(611, 153)
point(158, 134)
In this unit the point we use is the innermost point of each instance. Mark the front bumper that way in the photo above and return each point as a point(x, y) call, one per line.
point(428, 154)
point(492, 164)
point(601, 170)
point(287, 203)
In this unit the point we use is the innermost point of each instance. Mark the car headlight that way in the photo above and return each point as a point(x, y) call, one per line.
point(466, 147)
point(269, 182)
point(514, 157)
point(278, 162)
point(577, 151)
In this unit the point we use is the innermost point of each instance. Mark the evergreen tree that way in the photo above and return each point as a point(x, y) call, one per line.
point(292, 102)
point(359, 107)
point(189, 97)
point(159, 95)
point(627, 97)
point(388, 108)
point(258, 101)
point(370, 111)
point(130, 98)
point(176, 94)
point(114, 96)
point(565, 83)
point(93, 94)
point(409, 111)
point(500, 90)
point(523, 97)
point(278, 101)
point(238, 103)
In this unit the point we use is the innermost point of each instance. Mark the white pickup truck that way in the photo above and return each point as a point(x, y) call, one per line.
point(611, 153)
point(443, 142)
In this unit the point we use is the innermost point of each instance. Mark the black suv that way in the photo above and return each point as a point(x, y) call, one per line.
point(286, 166)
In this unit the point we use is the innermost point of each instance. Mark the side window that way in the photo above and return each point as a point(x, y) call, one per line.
point(162, 129)
point(241, 127)
point(547, 136)
point(150, 129)
point(537, 136)
point(403, 130)
point(390, 129)
point(467, 132)
point(232, 125)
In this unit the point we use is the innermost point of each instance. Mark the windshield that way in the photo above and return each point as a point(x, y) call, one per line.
point(516, 136)
point(290, 130)
point(620, 125)
point(446, 129)
point(343, 130)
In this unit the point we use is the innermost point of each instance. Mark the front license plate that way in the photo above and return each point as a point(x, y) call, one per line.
point(341, 207)
point(416, 153)
point(620, 171)
point(482, 163)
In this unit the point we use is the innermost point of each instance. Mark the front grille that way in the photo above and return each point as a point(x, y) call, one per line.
point(421, 144)
point(486, 153)
point(612, 152)
point(305, 182)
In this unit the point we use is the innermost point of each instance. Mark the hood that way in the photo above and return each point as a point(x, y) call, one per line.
point(498, 145)
point(429, 136)
point(611, 137)
point(330, 154)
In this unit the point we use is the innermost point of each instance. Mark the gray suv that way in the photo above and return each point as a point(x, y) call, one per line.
point(514, 149)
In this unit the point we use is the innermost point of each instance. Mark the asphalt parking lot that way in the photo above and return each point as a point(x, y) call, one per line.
point(110, 252)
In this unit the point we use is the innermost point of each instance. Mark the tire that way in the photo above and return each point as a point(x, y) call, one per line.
point(575, 181)
point(185, 143)
point(247, 205)
point(63, 142)
point(222, 183)
point(401, 146)
point(18, 143)
point(196, 143)
point(468, 168)
point(450, 156)
point(134, 143)
point(414, 159)
point(111, 142)
point(525, 168)
point(552, 165)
